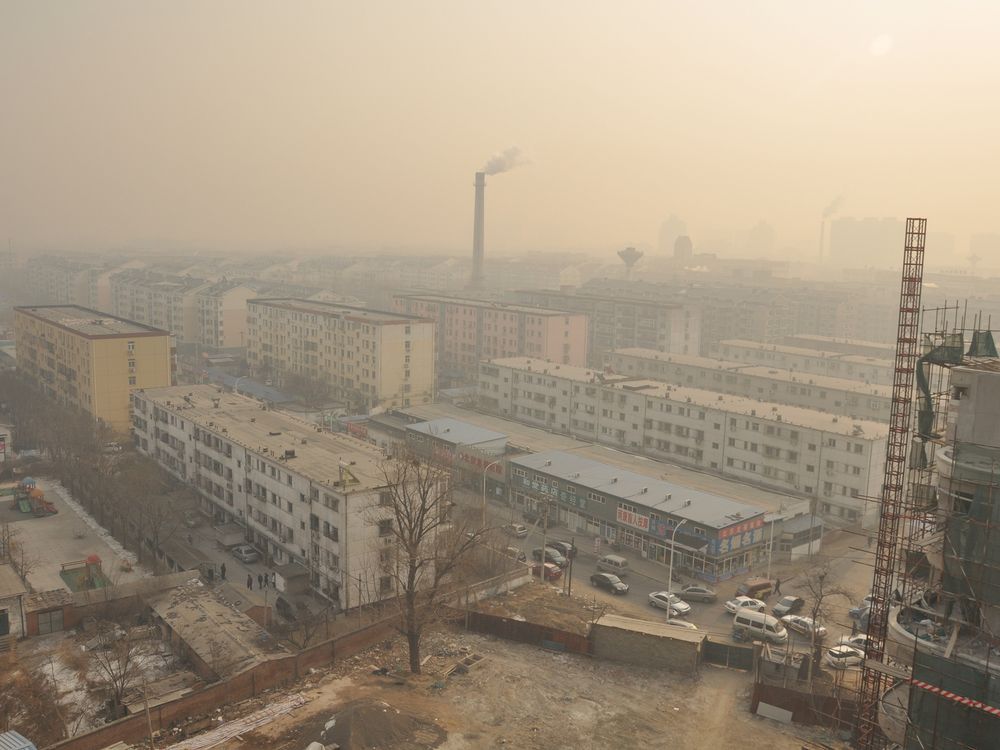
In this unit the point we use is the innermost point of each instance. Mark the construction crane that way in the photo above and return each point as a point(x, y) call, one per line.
point(893, 504)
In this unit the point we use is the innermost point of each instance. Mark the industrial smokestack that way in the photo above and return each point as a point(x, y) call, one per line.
point(478, 230)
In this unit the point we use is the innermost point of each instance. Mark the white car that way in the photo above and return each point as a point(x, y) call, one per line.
point(859, 641)
point(744, 603)
point(681, 624)
point(664, 599)
point(804, 625)
point(844, 657)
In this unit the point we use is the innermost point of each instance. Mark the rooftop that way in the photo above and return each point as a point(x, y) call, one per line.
point(10, 582)
point(598, 295)
point(836, 340)
point(650, 628)
point(225, 639)
point(698, 507)
point(456, 432)
point(322, 456)
point(335, 309)
point(804, 352)
point(766, 410)
point(790, 376)
point(89, 323)
point(488, 304)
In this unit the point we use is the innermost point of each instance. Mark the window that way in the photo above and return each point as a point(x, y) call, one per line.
point(385, 499)
point(385, 584)
point(385, 527)
point(131, 380)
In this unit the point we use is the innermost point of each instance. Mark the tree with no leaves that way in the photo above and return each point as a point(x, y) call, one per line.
point(415, 510)
point(118, 660)
point(817, 585)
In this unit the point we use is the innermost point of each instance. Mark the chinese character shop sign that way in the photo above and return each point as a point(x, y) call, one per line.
point(634, 520)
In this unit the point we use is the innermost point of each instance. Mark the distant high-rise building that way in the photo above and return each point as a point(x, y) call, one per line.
point(683, 248)
point(670, 230)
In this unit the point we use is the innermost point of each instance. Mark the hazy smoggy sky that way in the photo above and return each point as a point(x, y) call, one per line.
point(316, 124)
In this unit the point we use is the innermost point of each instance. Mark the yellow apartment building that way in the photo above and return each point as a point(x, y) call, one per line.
point(90, 359)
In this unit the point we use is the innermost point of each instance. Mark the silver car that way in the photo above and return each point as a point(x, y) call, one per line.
point(664, 599)
point(246, 554)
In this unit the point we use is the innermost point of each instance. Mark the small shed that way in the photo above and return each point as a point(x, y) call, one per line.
point(647, 644)
point(12, 591)
point(15, 741)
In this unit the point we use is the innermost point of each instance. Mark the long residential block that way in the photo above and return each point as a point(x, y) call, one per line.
point(812, 361)
point(836, 460)
point(471, 330)
point(304, 496)
point(91, 360)
point(843, 396)
point(370, 358)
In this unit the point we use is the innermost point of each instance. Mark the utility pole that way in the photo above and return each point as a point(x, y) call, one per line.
point(770, 548)
point(670, 575)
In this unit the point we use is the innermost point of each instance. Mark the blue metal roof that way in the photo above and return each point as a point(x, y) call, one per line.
point(677, 500)
point(248, 387)
point(456, 432)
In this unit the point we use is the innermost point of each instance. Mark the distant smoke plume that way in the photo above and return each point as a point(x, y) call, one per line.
point(832, 208)
point(504, 161)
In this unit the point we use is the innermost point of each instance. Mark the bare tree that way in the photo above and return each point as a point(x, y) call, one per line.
point(118, 659)
point(820, 590)
point(414, 510)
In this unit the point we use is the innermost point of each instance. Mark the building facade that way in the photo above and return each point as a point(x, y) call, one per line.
point(304, 496)
point(368, 357)
point(91, 360)
point(469, 331)
point(622, 322)
point(165, 301)
point(715, 537)
point(834, 461)
point(858, 347)
point(849, 398)
point(808, 361)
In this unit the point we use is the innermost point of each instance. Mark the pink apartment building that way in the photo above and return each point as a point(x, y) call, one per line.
point(470, 331)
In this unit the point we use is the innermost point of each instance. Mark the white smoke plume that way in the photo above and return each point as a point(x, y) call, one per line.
point(504, 161)
point(832, 208)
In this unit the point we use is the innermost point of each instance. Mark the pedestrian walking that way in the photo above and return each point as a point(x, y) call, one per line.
point(777, 586)
point(260, 581)
point(249, 581)
point(274, 580)
point(267, 580)
point(222, 571)
point(854, 628)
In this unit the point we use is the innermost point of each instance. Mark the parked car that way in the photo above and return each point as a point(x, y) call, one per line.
point(804, 625)
point(516, 554)
point(609, 582)
point(697, 593)
point(858, 641)
point(843, 657)
point(664, 599)
point(681, 624)
point(568, 549)
point(245, 553)
point(518, 530)
point(755, 587)
point(741, 603)
point(788, 605)
point(551, 555)
point(552, 571)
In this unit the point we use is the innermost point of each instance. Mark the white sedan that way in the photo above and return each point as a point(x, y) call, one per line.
point(859, 641)
point(745, 604)
point(843, 657)
point(804, 625)
point(664, 599)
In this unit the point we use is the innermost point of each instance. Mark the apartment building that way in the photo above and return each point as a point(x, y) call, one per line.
point(849, 398)
point(369, 357)
point(222, 313)
point(619, 322)
point(471, 330)
point(166, 301)
point(836, 461)
point(812, 361)
point(59, 281)
point(715, 537)
point(91, 360)
point(304, 496)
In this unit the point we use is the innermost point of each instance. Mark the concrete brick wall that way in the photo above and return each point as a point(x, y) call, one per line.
point(644, 650)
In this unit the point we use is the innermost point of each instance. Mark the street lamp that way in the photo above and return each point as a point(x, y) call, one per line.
point(670, 580)
point(485, 470)
point(236, 385)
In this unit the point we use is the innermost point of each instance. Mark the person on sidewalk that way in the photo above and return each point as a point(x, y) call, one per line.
point(260, 581)
point(249, 581)
point(222, 571)
point(777, 587)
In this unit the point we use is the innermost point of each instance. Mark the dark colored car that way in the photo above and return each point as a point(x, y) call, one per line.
point(697, 593)
point(551, 555)
point(552, 571)
point(609, 582)
point(568, 549)
point(788, 605)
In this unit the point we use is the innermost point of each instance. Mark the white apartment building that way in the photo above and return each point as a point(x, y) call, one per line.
point(304, 496)
point(813, 361)
point(160, 300)
point(369, 357)
point(849, 398)
point(835, 461)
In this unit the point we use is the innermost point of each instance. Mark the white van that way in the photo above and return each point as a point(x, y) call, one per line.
point(613, 564)
point(760, 626)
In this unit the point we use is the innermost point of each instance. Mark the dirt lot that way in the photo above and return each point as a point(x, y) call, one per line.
point(522, 696)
